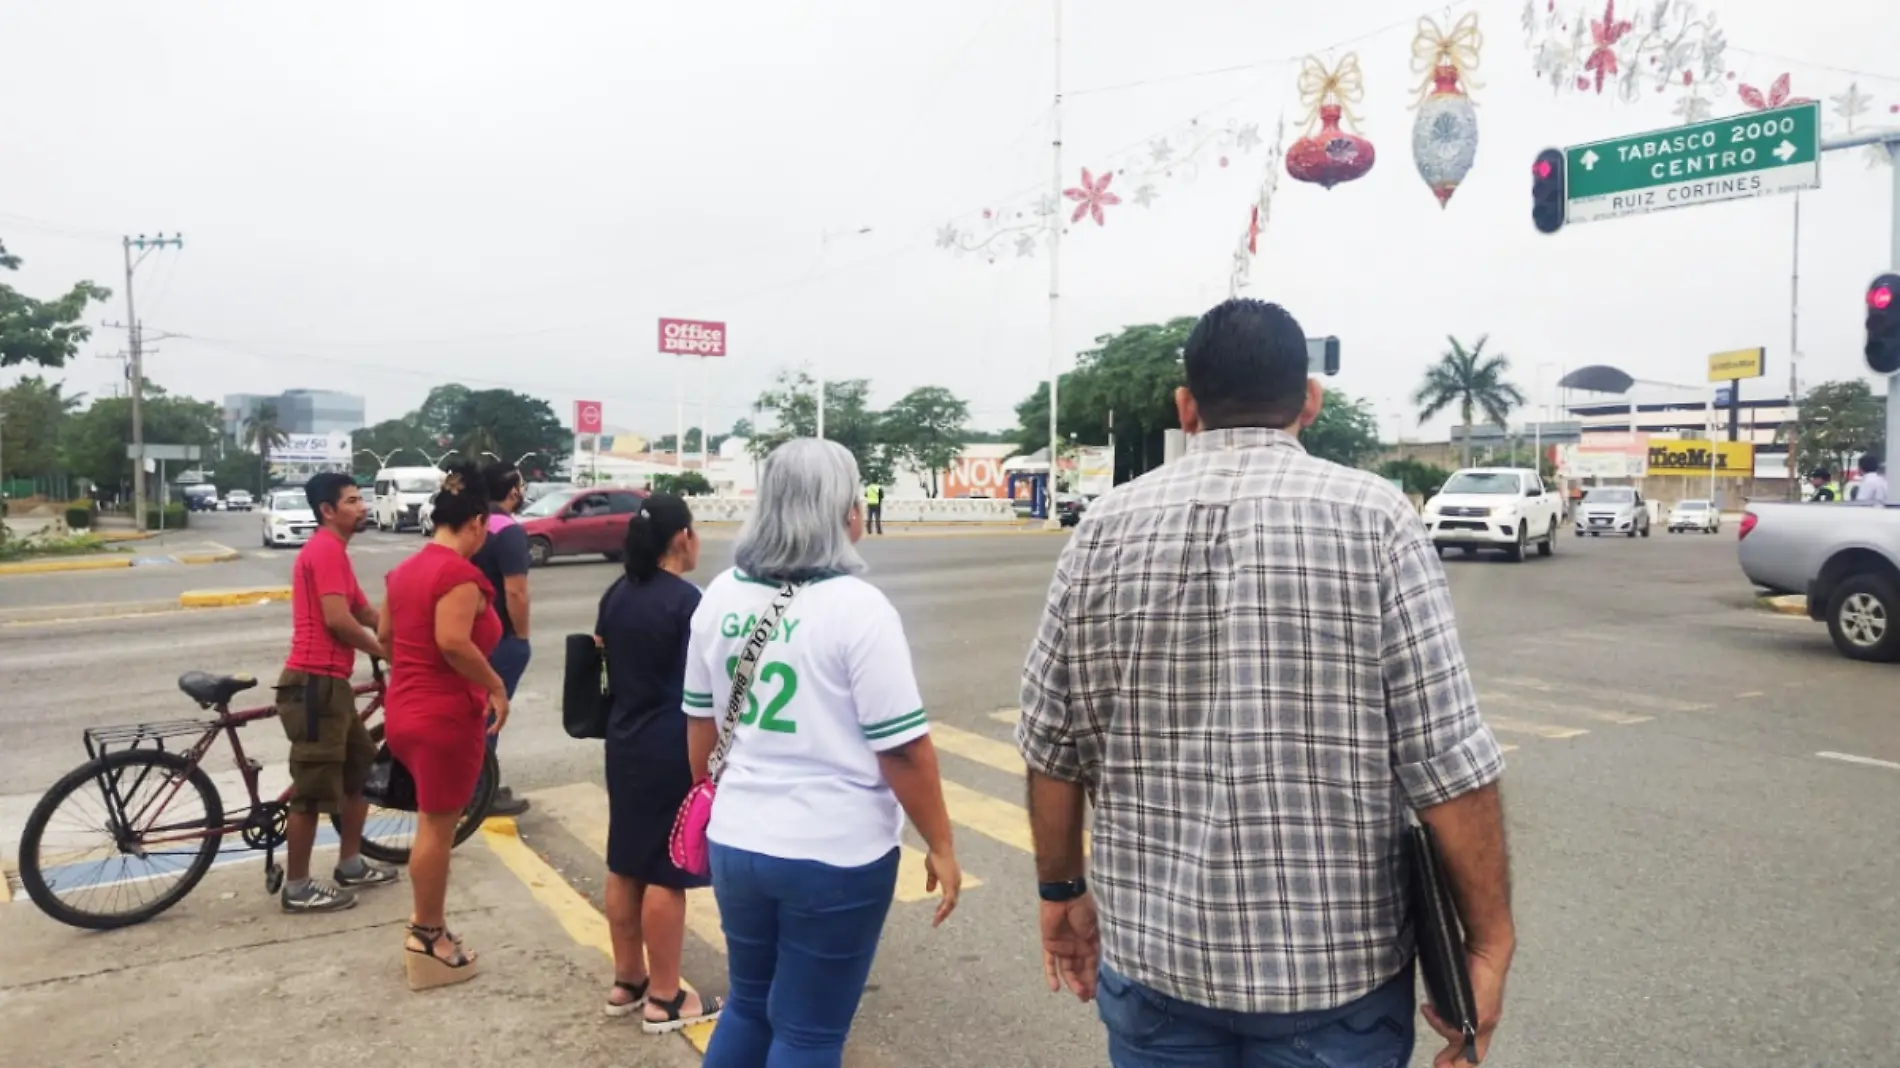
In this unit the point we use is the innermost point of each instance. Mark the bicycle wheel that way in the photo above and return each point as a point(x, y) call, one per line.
point(388, 832)
point(121, 839)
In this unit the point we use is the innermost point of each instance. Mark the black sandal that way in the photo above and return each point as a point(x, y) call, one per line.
point(425, 969)
point(709, 1008)
point(638, 1002)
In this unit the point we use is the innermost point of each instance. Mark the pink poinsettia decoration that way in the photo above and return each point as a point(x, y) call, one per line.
point(1604, 33)
point(1091, 197)
point(1777, 95)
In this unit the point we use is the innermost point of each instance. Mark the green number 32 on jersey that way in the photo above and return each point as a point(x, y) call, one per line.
point(774, 674)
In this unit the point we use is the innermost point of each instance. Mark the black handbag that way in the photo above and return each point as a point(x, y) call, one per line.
point(584, 697)
point(1440, 937)
point(389, 784)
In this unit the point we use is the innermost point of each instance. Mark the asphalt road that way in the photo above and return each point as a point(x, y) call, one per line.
point(1695, 886)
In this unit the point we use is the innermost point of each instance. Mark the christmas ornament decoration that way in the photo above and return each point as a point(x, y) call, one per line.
point(1849, 106)
point(1604, 51)
point(1330, 154)
point(1445, 134)
point(1241, 274)
point(1776, 96)
point(1091, 197)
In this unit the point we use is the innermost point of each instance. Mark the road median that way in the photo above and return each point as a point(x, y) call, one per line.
point(233, 597)
point(65, 563)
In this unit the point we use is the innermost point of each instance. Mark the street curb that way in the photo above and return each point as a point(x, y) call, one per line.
point(230, 598)
point(1790, 605)
point(222, 555)
point(81, 563)
point(123, 535)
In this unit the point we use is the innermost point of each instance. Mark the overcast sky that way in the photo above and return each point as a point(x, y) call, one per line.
point(381, 197)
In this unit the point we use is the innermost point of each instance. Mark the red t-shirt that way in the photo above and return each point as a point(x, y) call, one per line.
point(322, 569)
point(420, 677)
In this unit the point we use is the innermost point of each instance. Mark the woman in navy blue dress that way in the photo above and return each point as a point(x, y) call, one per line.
point(645, 619)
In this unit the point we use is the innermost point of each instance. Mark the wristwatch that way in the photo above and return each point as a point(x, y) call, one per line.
point(1067, 890)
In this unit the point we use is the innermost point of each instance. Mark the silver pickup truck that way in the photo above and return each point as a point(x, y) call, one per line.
point(1845, 557)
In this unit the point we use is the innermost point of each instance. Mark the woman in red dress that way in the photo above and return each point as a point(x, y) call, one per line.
point(439, 626)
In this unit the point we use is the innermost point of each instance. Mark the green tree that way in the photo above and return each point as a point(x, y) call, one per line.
point(508, 424)
point(1473, 384)
point(95, 442)
point(925, 431)
point(238, 469)
point(849, 420)
point(684, 484)
point(1416, 476)
point(262, 434)
point(397, 440)
point(46, 333)
point(742, 428)
point(1346, 431)
point(33, 419)
point(1121, 390)
point(1836, 423)
point(436, 419)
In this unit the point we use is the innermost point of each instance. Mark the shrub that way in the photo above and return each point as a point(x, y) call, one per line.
point(79, 518)
point(174, 516)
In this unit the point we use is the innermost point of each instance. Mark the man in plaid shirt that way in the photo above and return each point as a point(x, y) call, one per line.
point(1248, 665)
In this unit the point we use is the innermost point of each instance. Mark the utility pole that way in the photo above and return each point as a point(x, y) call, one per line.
point(145, 245)
point(1052, 520)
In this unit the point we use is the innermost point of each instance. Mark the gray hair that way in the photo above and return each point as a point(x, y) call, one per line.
point(797, 530)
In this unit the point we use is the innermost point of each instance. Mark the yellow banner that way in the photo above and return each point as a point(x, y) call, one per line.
point(1692, 457)
point(1741, 363)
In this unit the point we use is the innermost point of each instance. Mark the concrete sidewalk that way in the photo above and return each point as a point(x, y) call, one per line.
point(225, 980)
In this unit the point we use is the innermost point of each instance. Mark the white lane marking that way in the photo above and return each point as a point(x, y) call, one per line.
point(1537, 730)
point(1557, 708)
point(1849, 758)
point(1620, 697)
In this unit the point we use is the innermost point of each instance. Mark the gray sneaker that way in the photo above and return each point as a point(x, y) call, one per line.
point(507, 804)
point(314, 896)
point(366, 874)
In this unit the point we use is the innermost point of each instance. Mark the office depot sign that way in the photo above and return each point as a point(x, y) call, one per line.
point(692, 337)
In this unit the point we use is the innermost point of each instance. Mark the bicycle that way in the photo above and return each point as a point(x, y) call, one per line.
point(151, 797)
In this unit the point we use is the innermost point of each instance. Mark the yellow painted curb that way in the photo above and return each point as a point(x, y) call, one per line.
point(79, 563)
point(576, 915)
point(229, 598)
point(222, 557)
point(1790, 605)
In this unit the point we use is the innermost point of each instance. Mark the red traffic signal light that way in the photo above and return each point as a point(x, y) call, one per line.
point(1880, 298)
point(1883, 325)
point(1542, 168)
point(1547, 191)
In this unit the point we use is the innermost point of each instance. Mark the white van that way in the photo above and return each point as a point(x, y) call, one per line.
point(400, 494)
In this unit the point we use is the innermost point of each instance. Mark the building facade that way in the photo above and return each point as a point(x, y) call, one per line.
point(299, 411)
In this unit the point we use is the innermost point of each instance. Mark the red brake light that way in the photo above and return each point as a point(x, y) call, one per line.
point(1749, 519)
point(1542, 168)
point(1880, 298)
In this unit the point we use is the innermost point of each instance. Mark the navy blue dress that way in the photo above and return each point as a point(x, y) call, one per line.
point(644, 629)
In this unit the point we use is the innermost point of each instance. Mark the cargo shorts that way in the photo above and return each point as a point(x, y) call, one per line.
point(330, 749)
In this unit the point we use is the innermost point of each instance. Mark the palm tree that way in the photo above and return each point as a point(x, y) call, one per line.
point(1472, 381)
point(263, 433)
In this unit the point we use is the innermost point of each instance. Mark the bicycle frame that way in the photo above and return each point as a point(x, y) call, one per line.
point(227, 723)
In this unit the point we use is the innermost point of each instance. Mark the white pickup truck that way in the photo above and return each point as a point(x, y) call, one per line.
point(1844, 556)
point(1505, 508)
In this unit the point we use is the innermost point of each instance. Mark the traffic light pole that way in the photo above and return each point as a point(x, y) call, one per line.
point(1893, 256)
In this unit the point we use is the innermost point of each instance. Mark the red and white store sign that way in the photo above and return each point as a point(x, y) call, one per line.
point(692, 337)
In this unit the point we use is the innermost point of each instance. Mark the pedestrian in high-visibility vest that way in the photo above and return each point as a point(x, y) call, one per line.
point(873, 509)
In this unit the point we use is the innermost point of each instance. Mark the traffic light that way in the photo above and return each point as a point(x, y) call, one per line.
point(1547, 191)
point(1883, 324)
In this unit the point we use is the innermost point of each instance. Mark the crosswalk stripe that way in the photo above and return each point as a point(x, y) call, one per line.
point(1633, 700)
point(986, 751)
point(1540, 730)
point(1006, 715)
point(1000, 820)
point(1554, 708)
point(576, 915)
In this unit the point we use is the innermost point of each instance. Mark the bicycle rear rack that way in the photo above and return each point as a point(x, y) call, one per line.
point(103, 740)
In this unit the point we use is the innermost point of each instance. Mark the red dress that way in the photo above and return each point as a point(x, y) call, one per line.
point(436, 722)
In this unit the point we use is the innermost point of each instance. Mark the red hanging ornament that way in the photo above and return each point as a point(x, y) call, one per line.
point(1330, 154)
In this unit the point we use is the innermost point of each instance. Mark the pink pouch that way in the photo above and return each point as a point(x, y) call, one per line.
point(688, 846)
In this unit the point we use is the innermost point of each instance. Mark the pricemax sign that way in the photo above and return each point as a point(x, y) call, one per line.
point(1692, 457)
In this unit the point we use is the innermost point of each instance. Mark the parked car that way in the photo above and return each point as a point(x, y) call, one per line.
point(1504, 508)
point(1698, 515)
point(1613, 510)
point(287, 518)
point(578, 521)
point(1844, 556)
point(238, 500)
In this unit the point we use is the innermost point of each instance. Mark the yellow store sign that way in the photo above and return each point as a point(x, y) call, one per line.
point(1741, 363)
point(1692, 457)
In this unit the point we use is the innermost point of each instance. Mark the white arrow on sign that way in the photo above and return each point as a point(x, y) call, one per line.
point(1589, 159)
point(1785, 152)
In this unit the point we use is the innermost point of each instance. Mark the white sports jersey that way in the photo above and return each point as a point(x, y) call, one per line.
point(834, 688)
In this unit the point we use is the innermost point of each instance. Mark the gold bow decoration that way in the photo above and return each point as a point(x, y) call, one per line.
point(1344, 85)
point(1433, 48)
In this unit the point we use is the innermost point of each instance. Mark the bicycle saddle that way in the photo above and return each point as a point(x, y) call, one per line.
point(210, 690)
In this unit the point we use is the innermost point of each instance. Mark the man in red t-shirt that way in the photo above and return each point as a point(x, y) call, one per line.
point(330, 750)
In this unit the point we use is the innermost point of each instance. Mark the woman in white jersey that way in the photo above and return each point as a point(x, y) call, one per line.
point(830, 752)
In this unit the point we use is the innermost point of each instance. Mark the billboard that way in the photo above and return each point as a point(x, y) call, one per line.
point(312, 449)
point(1740, 363)
point(978, 472)
point(1690, 457)
point(692, 337)
point(586, 417)
point(1094, 469)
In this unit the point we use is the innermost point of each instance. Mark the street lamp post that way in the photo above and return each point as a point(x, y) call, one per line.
point(437, 461)
point(382, 459)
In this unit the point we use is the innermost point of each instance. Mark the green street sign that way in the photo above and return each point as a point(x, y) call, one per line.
point(1755, 155)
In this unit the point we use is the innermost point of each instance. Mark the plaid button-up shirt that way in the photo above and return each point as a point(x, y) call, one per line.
point(1249, 659)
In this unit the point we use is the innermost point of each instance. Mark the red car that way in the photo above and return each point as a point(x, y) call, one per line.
point(583, 519)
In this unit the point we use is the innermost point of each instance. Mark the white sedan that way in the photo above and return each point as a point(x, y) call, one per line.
point(1698, 515)
point(288, 520)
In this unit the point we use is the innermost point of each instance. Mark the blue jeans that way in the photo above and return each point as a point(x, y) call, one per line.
point(510, 661)
point(1147, 1029)
point(800, 936)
